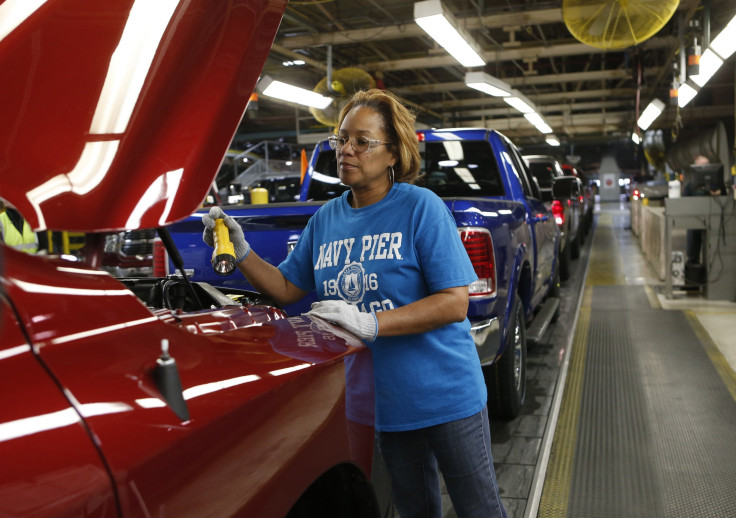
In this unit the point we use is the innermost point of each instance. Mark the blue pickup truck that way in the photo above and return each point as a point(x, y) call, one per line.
point(511, 239)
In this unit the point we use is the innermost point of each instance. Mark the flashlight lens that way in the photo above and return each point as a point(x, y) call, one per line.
point(224, 265)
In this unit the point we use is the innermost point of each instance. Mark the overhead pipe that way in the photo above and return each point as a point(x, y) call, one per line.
point(706, 24)
point(683, 59)
point(329, 68)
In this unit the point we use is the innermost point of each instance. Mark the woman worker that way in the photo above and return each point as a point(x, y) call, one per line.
point(388, 265)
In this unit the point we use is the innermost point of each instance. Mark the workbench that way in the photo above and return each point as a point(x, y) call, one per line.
point(717, 216)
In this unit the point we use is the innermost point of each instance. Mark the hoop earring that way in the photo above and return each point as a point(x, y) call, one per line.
point(391, 174)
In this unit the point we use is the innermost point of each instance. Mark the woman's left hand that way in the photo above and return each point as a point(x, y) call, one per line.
point(347, 316)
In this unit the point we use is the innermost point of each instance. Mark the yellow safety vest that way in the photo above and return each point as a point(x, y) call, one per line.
point(25, 242)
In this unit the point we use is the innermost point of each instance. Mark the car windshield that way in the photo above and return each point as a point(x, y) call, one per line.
point(544, 173)
point(449, 168)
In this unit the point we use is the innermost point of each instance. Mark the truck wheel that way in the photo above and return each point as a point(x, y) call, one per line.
point(506, 378)
point(564, 260)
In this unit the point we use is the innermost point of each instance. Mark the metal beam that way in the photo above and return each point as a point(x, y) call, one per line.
point(557, 49)
point(278, 49)
point(540, 100)
point(596, 75)
point(568, 108)
point(412, 30)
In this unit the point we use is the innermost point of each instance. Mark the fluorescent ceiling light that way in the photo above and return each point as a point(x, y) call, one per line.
point(467, 177)
point(725, 43)
point(487, 84)
point(636, 138)
point(130, 65)
point(709, 65)
point(448, 163)
point(519, 102)
point(651, 112)
point(442, 27)
point(291, 93)
point(537, 121)
point(15, 12)
point(685, 94)
point(552, 141)
point(454, 150)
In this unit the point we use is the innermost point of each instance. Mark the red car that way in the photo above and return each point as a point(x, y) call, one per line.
point(154, 397)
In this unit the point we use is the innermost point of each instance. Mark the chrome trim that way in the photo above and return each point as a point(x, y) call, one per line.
point(482, 324)
point(487, 337)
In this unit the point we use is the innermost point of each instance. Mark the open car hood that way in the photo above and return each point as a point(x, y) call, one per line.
point(117, 114)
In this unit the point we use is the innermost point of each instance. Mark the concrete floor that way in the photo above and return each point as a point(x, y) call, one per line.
point(519, 445)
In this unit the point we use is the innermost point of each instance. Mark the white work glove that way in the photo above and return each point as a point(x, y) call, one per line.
point(241, 246)
point(347, 316)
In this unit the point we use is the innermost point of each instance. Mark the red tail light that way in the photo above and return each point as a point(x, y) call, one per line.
point(636, 194)
point(558, 211)
point(160, 259)
point(479, 246)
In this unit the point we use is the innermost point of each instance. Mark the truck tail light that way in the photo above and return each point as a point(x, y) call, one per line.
point(479, 246)
point(558, 211)
point(160, 259)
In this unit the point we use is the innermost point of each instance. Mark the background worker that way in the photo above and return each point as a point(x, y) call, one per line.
point(387, 264)
point(15, 231)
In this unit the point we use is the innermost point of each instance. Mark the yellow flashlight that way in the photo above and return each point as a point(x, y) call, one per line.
point(223, 257)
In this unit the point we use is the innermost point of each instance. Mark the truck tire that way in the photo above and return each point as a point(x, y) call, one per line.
point(506, 378)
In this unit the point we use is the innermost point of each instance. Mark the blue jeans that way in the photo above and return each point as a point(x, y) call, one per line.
point(462, 451)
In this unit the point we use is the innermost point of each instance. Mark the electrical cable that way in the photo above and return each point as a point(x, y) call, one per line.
point(721, 239)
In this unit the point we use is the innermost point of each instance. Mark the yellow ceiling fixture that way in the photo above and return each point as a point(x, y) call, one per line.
point(341, 86)
point(616, 24)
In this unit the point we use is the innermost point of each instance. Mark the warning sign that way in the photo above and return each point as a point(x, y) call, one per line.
point(609, 180)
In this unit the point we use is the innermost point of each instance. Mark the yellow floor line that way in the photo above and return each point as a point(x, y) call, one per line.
point(606, 267)
point(714, 353)
point(653, 299)
point(554, 500)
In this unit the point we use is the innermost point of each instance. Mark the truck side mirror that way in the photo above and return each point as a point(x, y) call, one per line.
point(566, 187)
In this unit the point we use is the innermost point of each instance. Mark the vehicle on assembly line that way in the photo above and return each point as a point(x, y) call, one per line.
point(274, 166)
point(646, 186)
point(140, 397)
point(567, 209)
point(587, 196)
point(509, 233)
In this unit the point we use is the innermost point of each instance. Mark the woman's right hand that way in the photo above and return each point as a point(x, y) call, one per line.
point(241, 246)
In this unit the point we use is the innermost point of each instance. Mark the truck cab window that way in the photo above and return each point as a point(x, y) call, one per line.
point(325, 183)
point(531, 188)
point(460, 168)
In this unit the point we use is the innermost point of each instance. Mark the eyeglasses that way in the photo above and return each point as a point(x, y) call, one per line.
point(360, 144)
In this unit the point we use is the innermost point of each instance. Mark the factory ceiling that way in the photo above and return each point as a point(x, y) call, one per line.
point(585, 93)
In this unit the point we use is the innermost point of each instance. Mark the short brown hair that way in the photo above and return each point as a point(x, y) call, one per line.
point(398, 125)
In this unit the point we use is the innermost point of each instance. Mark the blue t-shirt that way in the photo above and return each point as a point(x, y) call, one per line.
point(385, 256)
